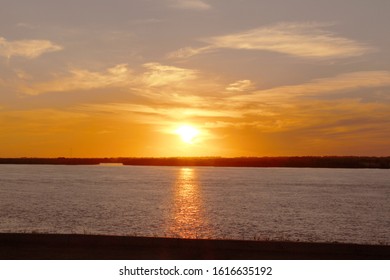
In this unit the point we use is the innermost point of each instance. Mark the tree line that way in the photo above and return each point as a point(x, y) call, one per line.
point(304, 161)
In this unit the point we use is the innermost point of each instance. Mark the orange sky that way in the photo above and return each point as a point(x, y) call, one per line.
point(253, 78)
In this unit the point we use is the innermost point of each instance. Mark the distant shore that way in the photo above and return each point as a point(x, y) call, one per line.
point(15, 246)
point(296, 162)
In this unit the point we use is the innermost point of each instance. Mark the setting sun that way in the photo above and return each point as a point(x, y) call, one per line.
point(187, 133)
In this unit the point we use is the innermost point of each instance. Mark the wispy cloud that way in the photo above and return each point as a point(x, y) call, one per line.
point(189, 52)
point(162, 111)
point(80, 79)
point(26, 48)
point(155, 75)
point(326, 106)
point(308, 40)
point(26, 25)
point(190, 4)
point(240, 86)
point(162, 75)
point(341, 83)
point(343, 118)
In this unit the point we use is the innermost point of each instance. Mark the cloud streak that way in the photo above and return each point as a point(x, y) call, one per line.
point(161, 111)
point(190, 4)
point(240, 86)
point(341, 83)
point(27, 48)
point(163, 75)
point(119, 76)
point(80, 79)
point(307, 40)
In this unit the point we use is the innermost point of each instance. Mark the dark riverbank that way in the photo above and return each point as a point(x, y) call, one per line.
point(78, 247)
point(313, 162)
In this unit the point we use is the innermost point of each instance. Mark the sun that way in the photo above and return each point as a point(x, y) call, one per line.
point(187, 133)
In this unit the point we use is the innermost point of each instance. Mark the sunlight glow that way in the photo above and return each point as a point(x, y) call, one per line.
point(187, 133)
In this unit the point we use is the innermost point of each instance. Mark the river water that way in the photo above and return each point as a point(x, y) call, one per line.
point(320, 205)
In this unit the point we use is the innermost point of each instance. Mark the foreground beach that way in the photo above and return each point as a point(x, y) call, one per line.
point(96, 247)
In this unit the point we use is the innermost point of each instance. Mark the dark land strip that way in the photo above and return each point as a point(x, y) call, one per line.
point(305, 161)
point(16, 246)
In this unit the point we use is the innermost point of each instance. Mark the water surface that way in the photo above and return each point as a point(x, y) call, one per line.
point(331, 205)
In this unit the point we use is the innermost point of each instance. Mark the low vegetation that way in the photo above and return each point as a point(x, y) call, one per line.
point(306, 161)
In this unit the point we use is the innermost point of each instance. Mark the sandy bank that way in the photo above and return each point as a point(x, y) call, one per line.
point(77, 247)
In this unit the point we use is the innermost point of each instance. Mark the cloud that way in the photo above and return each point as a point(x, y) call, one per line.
point(163, 113)
point(321, 107)
point(189, 52)
point(155, 75)
point(190, 4)
point(26, 48)
point(22, 75)
point(341, 83)
point(80, 79)
point(26, 25)
point(240, 86)
point(336, 118)
point(344, 82)
point(172, 111)
point(308, 40)
point(162, 75)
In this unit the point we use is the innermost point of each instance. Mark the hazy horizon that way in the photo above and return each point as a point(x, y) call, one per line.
point(194, 78)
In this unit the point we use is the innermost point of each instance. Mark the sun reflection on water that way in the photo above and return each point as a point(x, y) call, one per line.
point(187, 220)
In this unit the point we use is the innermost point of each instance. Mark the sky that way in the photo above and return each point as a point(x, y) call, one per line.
point(125, 78)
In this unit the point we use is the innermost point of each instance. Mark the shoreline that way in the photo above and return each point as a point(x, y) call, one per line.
point(28, 246)
point(291, 162)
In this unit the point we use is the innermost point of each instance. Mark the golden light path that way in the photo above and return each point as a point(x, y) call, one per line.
point(187, 216)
